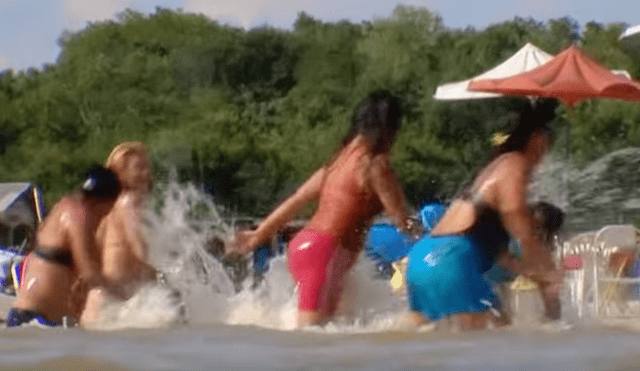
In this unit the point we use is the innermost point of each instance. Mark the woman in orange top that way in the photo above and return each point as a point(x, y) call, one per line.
point(352, 188)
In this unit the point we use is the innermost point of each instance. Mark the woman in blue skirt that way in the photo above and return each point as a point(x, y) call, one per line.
point(445, 270)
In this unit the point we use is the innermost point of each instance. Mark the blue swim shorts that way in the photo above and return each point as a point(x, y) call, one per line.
point(444, 277)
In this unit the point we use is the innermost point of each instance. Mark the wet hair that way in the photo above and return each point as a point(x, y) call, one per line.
point(117, 158)
point(100, 182)
point(551, 216)
point(531, 119)
point(377, 119)
point(551, 219)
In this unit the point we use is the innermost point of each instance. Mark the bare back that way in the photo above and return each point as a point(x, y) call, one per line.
point(358, 185)
point(494, 186)
point(47, 285)
point(346, 200)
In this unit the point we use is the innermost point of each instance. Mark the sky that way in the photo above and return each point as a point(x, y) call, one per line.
point(29, 29)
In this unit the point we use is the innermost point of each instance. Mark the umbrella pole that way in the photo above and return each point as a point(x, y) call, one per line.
point(38, 205)
point(565, 175)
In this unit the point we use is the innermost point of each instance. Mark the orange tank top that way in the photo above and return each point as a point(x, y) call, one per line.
point(346, 203)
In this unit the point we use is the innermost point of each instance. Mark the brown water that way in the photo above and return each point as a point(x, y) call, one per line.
point(226, 347)
point(213, 328)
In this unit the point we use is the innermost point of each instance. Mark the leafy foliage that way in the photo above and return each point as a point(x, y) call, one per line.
point(249, 114)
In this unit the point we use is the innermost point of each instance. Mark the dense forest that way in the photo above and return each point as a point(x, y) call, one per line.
point(246, 115)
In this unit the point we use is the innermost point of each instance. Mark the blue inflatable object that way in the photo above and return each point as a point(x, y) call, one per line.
point(431, 214)
point(385, 244)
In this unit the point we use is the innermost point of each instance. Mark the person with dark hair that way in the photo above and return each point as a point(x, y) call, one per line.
point(67, 255)
point(547, 222)
point(355, 185)
point(445, 270)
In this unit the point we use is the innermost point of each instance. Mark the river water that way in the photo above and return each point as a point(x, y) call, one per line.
point(209, 326)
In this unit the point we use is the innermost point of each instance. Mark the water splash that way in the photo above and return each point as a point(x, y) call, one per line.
point(152, 307)
point(179, 235)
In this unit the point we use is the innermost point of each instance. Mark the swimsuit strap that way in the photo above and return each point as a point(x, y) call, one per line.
point(487, 230)
point(54, 255)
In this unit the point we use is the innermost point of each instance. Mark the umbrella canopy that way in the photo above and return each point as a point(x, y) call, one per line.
point(525, 59)
point(570, 77)
point(630, 40)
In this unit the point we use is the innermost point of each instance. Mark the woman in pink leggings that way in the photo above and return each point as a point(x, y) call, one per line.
point(355, 185)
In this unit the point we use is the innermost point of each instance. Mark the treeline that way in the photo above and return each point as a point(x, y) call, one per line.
point(248, 114)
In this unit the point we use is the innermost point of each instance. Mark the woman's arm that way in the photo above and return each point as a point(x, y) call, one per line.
point(84, 250)
point(247, 241)
point(86, 257)
point(511, 199)
point(387, 187)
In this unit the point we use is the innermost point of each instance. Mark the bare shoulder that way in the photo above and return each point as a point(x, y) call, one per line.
point(126, 201)
point(380, 159)
point(513, 159)
point(512, 164)
point(71, 206)
point(379, 164)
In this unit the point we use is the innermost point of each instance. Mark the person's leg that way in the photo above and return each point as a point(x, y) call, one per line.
point(93, 308)
point(550, 294)
point(310, 287)
point(480, 321)
point(309, 255)
point(309, 318)
point(341, 263)
point(416, 319)
point(472, 321)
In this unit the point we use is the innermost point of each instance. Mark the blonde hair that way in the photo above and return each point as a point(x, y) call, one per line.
point(117, 158)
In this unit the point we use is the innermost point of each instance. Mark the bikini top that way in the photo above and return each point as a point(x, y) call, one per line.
point(488, 230)
point(54, 255)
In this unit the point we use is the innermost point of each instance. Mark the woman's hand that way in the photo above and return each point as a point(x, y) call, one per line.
point(244, 242)
point(413, 228)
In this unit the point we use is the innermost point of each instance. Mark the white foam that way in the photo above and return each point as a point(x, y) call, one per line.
point(177, 239)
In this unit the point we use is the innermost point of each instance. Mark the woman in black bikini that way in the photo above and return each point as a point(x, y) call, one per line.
point(66, 254)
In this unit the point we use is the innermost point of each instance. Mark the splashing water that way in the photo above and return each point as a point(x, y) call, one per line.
point(178, 236)
point(368, 304)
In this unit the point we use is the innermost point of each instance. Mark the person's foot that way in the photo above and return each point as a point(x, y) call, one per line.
point(411, 321)
point(472, 321)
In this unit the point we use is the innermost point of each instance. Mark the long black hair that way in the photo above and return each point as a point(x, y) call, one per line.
point(531, 119)
point(550, 217)
point(377, 119)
